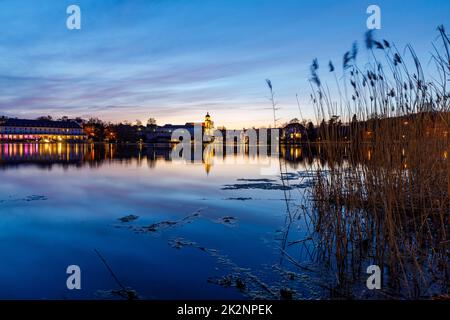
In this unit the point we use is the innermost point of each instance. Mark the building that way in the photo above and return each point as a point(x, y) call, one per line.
point(164, 133)
point(40, 130)
point(208, 124)
point(208, 128)
point(294, 133)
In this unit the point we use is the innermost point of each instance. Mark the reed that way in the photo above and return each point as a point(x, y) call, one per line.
point(382, 195)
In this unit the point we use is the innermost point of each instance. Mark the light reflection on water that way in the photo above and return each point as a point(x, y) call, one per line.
point(205, 225)
point(59, 202)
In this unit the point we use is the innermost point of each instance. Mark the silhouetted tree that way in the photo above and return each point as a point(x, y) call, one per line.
point(311, 132)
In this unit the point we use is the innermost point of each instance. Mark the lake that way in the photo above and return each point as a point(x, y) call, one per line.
point(224, 227)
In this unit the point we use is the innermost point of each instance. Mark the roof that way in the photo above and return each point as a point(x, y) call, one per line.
point(181, 126)
point(294, 125)
point(40, 124)
point(173, 126)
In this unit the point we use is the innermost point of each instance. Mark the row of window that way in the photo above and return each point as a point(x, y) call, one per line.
point(37, 137)
point(40, 130)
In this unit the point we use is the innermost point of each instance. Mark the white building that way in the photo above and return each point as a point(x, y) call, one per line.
point(35, 130)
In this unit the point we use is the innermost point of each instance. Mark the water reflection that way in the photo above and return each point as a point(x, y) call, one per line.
point(93, 155)
point(277, 234)
point(47, 155)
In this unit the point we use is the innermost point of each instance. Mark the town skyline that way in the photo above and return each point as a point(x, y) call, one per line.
point(164, 60)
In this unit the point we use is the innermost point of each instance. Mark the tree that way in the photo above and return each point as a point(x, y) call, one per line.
point(323, 130)
point(354, 130)
point(110, 132)
point(95, 129)
point(138, 122)
point(151, 122)
point(95, 121)
point(311, 132)
point(45, 118)
point(79, 120)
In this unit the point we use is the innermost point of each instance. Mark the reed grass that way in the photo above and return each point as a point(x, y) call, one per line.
point(382, 196)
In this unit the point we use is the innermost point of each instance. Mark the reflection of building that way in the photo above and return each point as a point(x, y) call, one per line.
point(42, 154)
point(35, 130)
point(208, 159)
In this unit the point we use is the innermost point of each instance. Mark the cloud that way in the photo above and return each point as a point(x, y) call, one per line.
point(173, 59)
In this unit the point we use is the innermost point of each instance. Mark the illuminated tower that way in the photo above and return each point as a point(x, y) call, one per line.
point(208, 128)
point(209, 124)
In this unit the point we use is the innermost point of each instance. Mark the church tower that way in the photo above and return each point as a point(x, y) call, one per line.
point(209, 124)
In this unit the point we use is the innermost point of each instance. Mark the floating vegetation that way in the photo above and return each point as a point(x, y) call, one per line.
point(260, 185)
point(256, 180)
point(244, 280)
point(301, 175)
point(158, 226)
point(228, 220)
point(129, 218)
point(126, 293)
point(304, 185)
point(240, 284)
point(289, 176)
point(168, 223)
point(230, 280)
point(225, 281)
point(33, 197)
point(248, 199)
point(287, 293)
point(269, 184)
point(181, 243)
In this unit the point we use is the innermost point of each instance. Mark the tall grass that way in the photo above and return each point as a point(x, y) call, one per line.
point(383, 196)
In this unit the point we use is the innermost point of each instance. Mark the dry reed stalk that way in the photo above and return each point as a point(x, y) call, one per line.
point(385, 195)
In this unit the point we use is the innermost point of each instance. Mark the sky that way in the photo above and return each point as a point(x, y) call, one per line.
point(175, 60)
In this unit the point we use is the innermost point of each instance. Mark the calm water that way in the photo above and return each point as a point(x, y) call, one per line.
point(215, 228)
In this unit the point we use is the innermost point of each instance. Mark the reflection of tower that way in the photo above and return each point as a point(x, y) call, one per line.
point(208, 158)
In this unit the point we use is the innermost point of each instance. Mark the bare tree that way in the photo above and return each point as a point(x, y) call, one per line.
point(151, 122)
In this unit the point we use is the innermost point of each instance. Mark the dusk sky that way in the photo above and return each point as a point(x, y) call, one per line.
point(176, 60)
